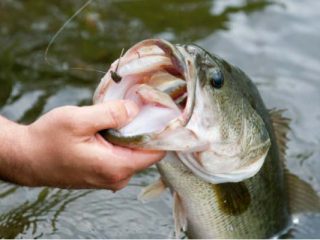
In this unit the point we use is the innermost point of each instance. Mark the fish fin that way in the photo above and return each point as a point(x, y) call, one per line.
point(152, 191)
point(302, 197)
point(281, 128)
point(179, 215)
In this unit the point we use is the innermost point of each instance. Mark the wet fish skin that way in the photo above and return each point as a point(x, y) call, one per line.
point(220, 117)
point(225, 161)
point(254, 208)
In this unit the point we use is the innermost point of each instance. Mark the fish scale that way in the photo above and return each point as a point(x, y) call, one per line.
point(225, 162)
point(206, 217)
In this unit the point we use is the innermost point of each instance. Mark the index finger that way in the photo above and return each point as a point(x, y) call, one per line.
point(134, 159)
point(137, 159)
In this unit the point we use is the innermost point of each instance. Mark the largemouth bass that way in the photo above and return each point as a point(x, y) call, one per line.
point(225, 161)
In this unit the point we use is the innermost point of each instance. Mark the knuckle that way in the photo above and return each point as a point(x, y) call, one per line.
point(117, 114)
point(65, 115)
point(66, 110)
point(116, 177)
point(119, 176)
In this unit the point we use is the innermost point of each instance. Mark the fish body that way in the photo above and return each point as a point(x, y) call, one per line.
point(257, 207)
point(225, 161)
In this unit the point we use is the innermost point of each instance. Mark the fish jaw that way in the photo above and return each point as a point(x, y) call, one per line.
point(224, 117)
point(161, 81)
point(225, 160)
point(236, 175)
point(216, 133)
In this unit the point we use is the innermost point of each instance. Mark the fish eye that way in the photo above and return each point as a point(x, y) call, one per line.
point(216, 78)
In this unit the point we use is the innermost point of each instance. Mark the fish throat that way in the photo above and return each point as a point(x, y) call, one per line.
point(156, 77)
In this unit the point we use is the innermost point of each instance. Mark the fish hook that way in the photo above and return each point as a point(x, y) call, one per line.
point(114, 75)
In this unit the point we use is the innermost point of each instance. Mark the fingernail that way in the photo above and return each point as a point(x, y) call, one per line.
point(132, 109)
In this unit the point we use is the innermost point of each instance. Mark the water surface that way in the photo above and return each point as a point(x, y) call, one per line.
point(275, 42)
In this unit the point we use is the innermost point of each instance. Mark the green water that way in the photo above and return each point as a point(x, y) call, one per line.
point(274, 42)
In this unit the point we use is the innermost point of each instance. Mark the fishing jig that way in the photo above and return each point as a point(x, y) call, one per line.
point(114, 75)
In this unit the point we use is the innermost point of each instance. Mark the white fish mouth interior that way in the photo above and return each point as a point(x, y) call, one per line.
point(152, 77)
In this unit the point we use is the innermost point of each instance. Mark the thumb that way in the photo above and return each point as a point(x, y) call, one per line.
point(110, 114)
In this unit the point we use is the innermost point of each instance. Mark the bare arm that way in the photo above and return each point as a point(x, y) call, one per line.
point(63, 149)
point(11, 135)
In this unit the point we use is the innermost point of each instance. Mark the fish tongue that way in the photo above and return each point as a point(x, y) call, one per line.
point(150, 119)
point(160, 114)
point(156, 110)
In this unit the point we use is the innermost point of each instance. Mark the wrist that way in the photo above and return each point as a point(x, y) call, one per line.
point(15, 164)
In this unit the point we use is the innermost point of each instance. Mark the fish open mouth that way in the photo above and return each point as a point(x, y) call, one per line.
point(164, 80)
point(155, 76)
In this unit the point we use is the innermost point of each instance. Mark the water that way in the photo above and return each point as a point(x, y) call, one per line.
point(274, 42)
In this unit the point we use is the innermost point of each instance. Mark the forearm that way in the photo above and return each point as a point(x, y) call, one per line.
point(13, 161)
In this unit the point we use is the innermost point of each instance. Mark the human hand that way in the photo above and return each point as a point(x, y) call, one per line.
point(63, 149)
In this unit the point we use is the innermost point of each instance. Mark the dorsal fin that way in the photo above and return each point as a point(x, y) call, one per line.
point(281, 127)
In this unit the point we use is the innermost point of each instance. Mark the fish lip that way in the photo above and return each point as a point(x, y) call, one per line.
point(177, 56)
point(184, 63)
point(182, 59)
point(169, 49)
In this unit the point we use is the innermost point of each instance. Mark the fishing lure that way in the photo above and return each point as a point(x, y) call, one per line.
point(114, 75)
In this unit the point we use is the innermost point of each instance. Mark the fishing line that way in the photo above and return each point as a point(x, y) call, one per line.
point(58, 33)
point(88, 70)
point(51, 42)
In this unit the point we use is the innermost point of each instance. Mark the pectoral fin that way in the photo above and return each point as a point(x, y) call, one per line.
point(179, 215)
point(152, 191)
